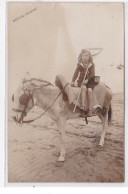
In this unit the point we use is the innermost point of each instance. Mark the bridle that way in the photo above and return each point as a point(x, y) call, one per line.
point(23, 112)
point(30, 97)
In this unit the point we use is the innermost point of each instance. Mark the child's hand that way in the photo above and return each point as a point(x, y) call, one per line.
point(85, 81)
point(72, 83)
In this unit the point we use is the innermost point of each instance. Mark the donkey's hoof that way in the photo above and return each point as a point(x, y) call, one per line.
point(61, 159)
point(101, 144)
point(99, 147)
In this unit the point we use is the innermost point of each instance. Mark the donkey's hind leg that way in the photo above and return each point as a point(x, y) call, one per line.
point(104, 115)
point(104, 126)
point(61, 126)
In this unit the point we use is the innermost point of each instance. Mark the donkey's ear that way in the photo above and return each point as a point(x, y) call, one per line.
point(27, 76)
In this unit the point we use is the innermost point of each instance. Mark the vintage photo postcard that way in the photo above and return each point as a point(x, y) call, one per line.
point(65, 120)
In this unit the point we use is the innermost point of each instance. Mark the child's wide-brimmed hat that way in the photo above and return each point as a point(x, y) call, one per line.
point(94, 51)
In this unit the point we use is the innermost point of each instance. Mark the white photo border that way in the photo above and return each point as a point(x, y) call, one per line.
point(3, 104)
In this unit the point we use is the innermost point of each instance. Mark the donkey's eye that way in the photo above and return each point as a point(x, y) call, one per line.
point(13, 97)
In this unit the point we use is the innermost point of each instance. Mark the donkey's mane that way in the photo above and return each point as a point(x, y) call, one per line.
point(37, 82)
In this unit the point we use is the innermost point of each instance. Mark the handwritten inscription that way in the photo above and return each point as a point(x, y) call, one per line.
point(24, 15)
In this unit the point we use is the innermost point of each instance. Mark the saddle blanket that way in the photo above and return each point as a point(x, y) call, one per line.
point(73, 92)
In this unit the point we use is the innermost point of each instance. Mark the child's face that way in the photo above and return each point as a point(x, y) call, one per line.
point(85, 57)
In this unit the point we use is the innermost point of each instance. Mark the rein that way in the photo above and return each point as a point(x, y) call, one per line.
point(24, 113)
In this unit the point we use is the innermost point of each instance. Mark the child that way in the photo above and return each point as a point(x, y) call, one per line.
point(85, 61)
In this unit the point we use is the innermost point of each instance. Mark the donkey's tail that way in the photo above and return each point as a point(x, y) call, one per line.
point(109, 114)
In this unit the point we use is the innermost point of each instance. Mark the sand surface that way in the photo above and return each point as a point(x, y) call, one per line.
point(33, 150)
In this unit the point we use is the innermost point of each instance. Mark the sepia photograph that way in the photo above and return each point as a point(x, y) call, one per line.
point(65, 87)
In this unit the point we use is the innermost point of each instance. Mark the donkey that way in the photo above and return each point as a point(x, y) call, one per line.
point(50, 98)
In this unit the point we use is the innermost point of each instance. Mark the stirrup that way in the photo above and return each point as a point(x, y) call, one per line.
point(83, 114)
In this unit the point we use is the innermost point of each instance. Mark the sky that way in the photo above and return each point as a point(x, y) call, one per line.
point(45, 39)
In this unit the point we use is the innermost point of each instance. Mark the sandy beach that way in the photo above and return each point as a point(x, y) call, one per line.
point(33, 150)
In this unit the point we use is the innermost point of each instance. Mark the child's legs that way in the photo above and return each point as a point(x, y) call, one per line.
point(83, 95)
point(90, 98)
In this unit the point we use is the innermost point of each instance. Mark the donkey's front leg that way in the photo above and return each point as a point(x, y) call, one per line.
point(104, 126)
point(61, 125)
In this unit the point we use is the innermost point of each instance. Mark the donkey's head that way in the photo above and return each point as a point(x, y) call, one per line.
point(23, 99)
